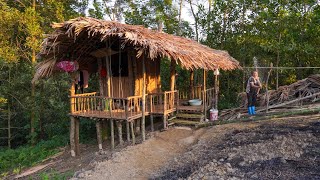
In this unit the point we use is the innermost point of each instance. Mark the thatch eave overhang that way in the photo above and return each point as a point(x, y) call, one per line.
point(81, 34)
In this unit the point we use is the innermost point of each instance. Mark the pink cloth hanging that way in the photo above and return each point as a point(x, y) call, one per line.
point(68, 66)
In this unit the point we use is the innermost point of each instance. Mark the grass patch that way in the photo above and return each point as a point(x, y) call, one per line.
point(13, 160)
point(54, 175)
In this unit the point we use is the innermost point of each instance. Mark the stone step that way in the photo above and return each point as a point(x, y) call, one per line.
point(185, 122)
point(194, 117)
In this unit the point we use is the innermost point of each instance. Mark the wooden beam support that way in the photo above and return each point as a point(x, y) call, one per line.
point(108, 93)
point(165, 124)
point(99, 134)
point(132, 134)
point(216, 88)
point(205, 93)
point(137, 126)
point(74, 124)
point(151, 122)
point(76, 134)
point(143, 119)
point(119, 126)
point(128, 131)
point(172, 75)
point(112, 133)
point(191, 95)
point(72, 139)
point(101, 93)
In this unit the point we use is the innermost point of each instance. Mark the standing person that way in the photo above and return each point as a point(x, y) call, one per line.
point(252, 90)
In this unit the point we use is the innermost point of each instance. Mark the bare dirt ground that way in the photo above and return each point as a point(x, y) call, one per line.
point(271, 149)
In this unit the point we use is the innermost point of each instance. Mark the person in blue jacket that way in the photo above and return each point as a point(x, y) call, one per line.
point(252, 90)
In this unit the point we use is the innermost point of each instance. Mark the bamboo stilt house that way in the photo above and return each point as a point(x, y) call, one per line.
point(127, 59)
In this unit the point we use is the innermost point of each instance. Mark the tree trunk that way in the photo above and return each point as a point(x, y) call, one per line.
point(33, 87)
point(195, 20)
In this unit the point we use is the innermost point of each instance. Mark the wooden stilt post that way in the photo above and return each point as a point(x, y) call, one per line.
point(76, 135)
point(99, 134)
point(191, 95)
point(128, 131)
point(72, 136)
point(132, 134)
point(138, 126)
point(205, 93)
point(74, 124)
point(112, 133)
point(151, 121)
point(143, 119)
point(165, 121)
point(119, 126)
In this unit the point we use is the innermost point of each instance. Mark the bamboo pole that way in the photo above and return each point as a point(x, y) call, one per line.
point(132, 134)
point(143, 127)
point(99, 136)
point(119, 126)
point(112, 133)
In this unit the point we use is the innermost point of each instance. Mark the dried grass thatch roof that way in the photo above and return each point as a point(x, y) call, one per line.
point(79, 36)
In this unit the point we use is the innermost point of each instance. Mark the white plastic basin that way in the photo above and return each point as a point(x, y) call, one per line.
point(195, 102)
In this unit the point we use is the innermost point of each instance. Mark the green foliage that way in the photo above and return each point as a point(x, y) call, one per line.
point(8, 50)
point(54, 175)
point(96, 11)
point(16, 159)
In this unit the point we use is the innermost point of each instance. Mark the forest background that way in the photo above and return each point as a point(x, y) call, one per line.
point(285, 33)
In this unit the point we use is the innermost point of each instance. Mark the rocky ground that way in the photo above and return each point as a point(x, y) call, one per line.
point(286, 149)
point(270, 149)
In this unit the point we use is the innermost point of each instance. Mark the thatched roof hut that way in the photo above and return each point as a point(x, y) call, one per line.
point(127, 59)
point(83, 35)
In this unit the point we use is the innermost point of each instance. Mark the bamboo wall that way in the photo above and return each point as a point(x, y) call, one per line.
point(132, 84)
point(153, 82)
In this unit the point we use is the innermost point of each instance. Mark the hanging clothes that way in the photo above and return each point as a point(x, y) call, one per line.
point(68, 66)
point(103, 72)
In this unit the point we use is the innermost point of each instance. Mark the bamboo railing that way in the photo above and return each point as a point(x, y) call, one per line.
point(208, 98)
point(89, 105)
point(193, 93)
point(162, 103)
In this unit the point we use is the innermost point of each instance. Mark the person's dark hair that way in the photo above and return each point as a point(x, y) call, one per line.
point(252, 72)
